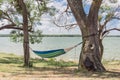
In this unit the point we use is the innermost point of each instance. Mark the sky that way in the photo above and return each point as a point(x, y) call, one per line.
point(47, 21)
point(48, 27)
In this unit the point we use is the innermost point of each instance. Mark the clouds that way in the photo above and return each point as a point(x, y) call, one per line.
point(111, 2)
point(48, 27)
point(47, 21)
point(61, 6)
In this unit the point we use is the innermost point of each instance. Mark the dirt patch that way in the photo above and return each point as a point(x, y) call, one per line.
point(70, 73)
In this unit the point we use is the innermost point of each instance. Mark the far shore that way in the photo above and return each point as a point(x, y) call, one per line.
point(57, 35)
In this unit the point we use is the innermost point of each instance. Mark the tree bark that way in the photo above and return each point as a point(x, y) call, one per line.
point(26, 35)
point(101, 48)
point(90, 57)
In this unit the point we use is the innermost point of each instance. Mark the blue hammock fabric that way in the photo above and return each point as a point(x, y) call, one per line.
point(53, 53)
point(50, 53)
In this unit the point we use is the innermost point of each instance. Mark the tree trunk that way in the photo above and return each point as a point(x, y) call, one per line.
point(26, 35)
point(101, 48)
point(90, 57)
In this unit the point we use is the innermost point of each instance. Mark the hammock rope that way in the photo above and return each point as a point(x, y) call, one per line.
point(58, 52)
point(54, 53)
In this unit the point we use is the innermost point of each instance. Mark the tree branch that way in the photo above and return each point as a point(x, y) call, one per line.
point(12, 26)
point(7, 17)
point(118, 18)
point(77, 10)
point(93, 12)
point(67, 26)
point(110, 17)
point(107, 20)
point(66, 8)
point(106, 31)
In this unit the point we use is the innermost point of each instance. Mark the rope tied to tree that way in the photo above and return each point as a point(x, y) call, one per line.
point(94, 34)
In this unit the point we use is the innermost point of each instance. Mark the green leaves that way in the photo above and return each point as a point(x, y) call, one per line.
point(108, 15)
point(17, 6)
point(52, 11)
point(1, 1)
point(105, 8)
point(13, 14)
point(16, 36)
point(34, 37)
point(99, 18)
point(1, 13)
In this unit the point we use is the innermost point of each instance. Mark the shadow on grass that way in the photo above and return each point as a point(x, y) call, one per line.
point(46, 72)
point(59, 68)
point(72, 72)
point(51, 62)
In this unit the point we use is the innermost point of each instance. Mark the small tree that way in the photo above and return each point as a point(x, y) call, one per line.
point(22, 16)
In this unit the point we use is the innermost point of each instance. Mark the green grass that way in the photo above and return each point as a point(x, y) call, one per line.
point(14, 63)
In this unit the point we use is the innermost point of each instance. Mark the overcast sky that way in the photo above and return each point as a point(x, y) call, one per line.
point(49, 28)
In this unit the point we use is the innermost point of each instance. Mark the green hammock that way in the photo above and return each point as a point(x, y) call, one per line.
point(53, 53)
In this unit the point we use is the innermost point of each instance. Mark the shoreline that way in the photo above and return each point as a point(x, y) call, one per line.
point(57, 35)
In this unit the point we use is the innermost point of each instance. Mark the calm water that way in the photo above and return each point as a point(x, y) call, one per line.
point(111, 45)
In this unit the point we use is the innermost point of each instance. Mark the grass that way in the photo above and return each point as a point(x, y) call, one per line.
point(12, 63)
point(12, 66)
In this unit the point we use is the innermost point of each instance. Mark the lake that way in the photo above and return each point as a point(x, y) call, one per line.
point(111, 47)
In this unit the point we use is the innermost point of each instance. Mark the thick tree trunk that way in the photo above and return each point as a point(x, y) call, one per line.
point(26, 35)
point(90, 58)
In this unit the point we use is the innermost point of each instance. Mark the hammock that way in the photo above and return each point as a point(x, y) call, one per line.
point(53, 53)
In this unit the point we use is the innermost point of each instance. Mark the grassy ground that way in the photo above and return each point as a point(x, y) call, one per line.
point(11, 68)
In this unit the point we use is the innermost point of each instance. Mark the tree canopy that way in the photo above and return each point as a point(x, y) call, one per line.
point(22, 16)
point(11, 17)
point(108, 14)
